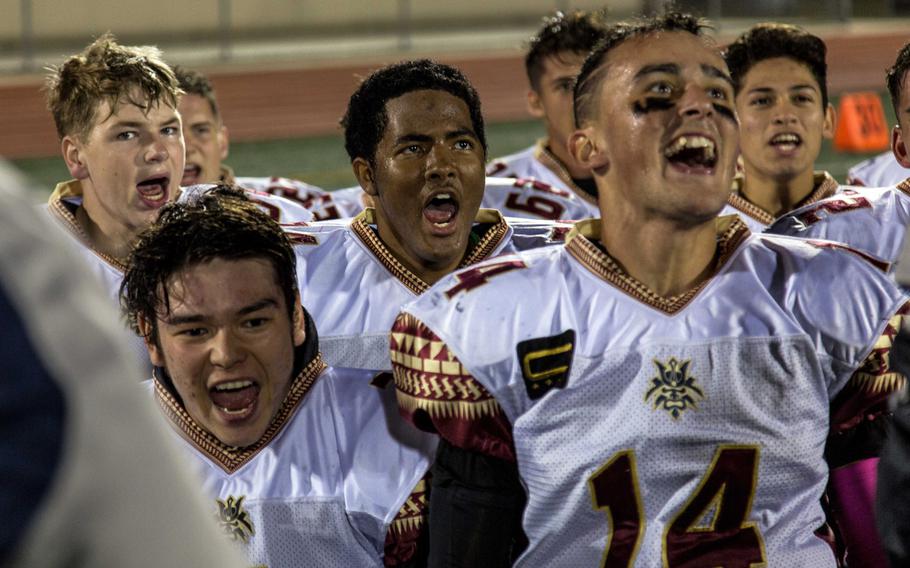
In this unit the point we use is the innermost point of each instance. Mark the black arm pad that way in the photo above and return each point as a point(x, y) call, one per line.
point(476, 503)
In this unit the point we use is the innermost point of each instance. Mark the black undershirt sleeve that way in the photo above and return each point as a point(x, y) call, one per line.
point(476, 504)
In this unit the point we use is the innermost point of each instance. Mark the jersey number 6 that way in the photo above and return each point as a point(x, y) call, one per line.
point(710, 530)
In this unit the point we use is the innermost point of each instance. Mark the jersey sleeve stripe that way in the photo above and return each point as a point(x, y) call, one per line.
point(436, 393)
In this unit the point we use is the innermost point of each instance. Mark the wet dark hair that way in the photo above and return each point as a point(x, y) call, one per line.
point(895, 76)
point(771, 40)
point(575, 32)
point(195, 83)
point(591, 75)
point(365, 120)
point(220, 223)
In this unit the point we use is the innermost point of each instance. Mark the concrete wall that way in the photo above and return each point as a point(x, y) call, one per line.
point(76, 20)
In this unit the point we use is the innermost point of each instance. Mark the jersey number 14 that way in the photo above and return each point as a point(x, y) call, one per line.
point(710, 530)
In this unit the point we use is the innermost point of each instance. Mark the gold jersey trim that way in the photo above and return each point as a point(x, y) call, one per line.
point(429, 377)
point(824, 186)
point(66, 218)
point(876, 376)
point(543, 155)
point(413, 513)
point(489, 240)
point(904, 186)
point(731, 232)
point(230, 458)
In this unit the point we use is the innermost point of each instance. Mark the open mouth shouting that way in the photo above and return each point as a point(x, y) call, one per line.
point(786, 143)
point(191, 174)
point(441, 212)
point(153, 191)
point(692, 154)
point(235, 400)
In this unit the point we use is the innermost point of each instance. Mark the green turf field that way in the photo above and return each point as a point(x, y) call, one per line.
point(322, 160)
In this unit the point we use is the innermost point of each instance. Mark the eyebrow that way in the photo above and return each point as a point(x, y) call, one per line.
point(793, 88)
point(713, 71)
point(404, 139)
point(196, 318)
point(669, 68)
point(563, 78)
point(137, 124)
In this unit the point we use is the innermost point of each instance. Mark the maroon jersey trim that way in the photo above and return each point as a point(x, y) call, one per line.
point(825, 186)
point(731, 232)
point(489, 240)
point(230, 458)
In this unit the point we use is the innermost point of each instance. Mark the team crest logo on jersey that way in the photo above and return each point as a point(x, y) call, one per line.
point(673, 389)
point(546, 362)
point(233, 518)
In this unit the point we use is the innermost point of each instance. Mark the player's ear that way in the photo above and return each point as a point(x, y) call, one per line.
point(363, 171)
point(145, 330)
point(298, 325)
point(224, 143)
point(830, 122)
point(899, 146)
point(535, 106)
point(587, 152)
point(72, 155)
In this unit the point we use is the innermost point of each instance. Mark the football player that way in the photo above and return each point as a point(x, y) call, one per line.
point(553, 60)
point(872, 220)
point(207, 145)
point(302, 462)
point(782, 100)
point(664, 384)
point(890, 168)
point(115, 109)
point(415, 135)
point(87, 472)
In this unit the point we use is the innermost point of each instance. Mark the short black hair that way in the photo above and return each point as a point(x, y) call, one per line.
point(220, 223)
point(576, 32)
point(895, 77)
point(195, 83)
point(772, 40)
point(589, 78)
point(365, 120)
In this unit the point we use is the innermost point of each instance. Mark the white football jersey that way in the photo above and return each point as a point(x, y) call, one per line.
point(66, 199)
point(533, 199)
point(321, 203)
point(325, 482)
point(654, 431)
point(871, 220)
point(538, 163)
point(756, 218)
point(62, 206)
point(353, 286)
point(878, 171)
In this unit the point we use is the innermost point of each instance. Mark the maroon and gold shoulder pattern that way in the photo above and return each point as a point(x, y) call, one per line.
point(402, 539)
point(436, 393)
point(874, 381)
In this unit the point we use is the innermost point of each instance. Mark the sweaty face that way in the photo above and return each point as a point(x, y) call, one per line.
point(552, 99)
point(782, 119)
point(665, 128)
point(206, 141)
point(428, 178)
point(228, 345)
point(130, 164)
point(900, 137)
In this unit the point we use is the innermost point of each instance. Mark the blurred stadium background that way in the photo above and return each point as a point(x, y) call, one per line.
point(284, 69)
